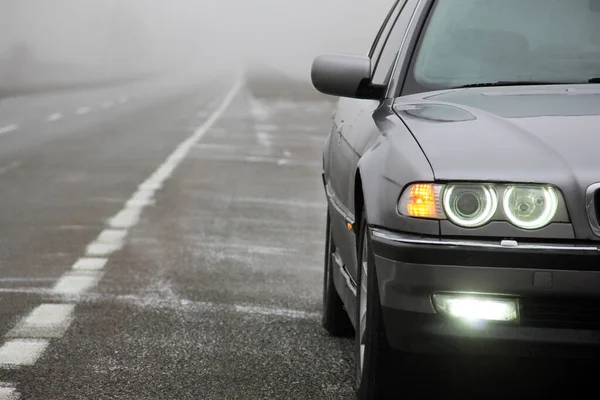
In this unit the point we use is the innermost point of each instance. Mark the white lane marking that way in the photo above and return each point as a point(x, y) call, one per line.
point(54, 117)
point(123, 100)
point(287, 153)
point(83, 110)
point(98, 249)
point(45, 321)
point(140, 199)
point(8, 393)
point(112, 236)
point(9, 128)
point(126, 218)
point(20, 352)
point(77, 282)
point(107, 104)
point(151, 185)
point(90, 263)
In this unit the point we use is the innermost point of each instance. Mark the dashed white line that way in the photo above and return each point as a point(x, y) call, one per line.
point(123, 100)
point(126, 218)
point(77, 282)
point(52, 320)
point(45, 321)
point(98, 249)
point(22, 352)
point(54, 117)
point(112, 236)
point(8, 393)
point(83, 110)
point(90, 263)
point(9, 128)
point(107, 104)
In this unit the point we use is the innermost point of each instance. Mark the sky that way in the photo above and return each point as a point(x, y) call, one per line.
point(207, 34)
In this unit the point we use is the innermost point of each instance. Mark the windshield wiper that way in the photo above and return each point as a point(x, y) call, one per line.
point(510, 83)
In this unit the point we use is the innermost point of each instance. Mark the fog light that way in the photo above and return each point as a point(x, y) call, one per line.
point(476, 307)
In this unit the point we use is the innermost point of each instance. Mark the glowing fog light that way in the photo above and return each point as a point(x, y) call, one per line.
point(476, 307)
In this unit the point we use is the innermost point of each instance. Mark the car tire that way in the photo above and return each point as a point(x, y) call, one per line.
point(373, 354)
point(335, 318)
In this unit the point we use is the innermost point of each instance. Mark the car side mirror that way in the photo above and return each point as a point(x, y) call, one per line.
point(345, 75)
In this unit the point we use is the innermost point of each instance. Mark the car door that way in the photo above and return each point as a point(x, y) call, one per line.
point(357, 136)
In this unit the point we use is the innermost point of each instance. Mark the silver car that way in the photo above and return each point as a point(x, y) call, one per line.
point(462, 174)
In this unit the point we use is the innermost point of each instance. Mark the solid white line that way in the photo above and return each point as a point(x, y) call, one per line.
point(77, 282)
point(9, 128)
point(90, 263)
point(54, 117)
point(20, 352)
point(45, 321)
point(83, 110)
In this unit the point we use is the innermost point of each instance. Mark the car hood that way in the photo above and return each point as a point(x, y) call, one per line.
point(511, 134)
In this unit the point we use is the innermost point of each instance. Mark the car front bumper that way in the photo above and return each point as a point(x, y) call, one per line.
point(557, 287)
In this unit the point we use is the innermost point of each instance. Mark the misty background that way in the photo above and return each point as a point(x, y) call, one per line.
point(45, 41)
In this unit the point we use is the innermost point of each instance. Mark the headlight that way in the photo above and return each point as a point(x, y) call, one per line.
point(470, 205)
point(530, 207)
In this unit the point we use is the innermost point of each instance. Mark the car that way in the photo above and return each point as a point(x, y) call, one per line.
point(462, 177)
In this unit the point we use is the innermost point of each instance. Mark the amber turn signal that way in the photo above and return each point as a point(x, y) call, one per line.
point(421, 200)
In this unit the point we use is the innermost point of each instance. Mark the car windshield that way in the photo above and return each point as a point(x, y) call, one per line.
point(470, 42)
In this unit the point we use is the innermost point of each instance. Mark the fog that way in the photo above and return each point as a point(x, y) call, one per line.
point(135, 36)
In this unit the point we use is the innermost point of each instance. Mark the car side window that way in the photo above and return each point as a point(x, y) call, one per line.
point(391, 47)
point(383, 33)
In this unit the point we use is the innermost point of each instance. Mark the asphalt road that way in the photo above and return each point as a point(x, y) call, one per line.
point(164, 240)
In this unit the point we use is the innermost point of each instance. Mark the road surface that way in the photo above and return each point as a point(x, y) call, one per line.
point(164, 240)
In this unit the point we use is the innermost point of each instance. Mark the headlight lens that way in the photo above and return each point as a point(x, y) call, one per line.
point(470, 205)
point(530, 207)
